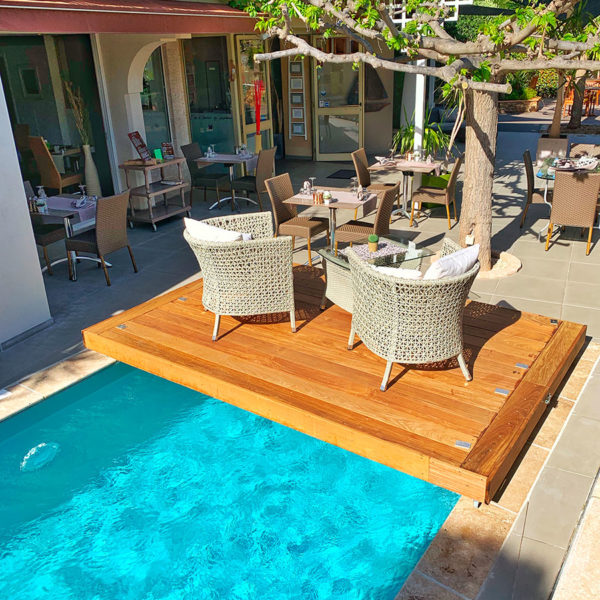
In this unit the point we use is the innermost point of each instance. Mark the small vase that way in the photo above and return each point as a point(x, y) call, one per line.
point(373, 246)
point(92, 181)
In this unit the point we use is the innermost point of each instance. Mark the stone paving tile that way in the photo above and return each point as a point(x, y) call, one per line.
point(588, 316)
point(552, 423)
point(575, 379)
point(591, 351)
point(580, 271)
point(588, 404)
point(555, 506)
point(463, 551)
point(419, 587)
point(521, 477)
point(580, 579)
point(542, 289)
point(581, 294)
point(536, 572)
point(579, 450)
point(548, 309)
point(15, 398)
point(66, 373)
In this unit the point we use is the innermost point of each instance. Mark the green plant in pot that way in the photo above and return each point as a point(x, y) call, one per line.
point(434, 138)
point(373, 240)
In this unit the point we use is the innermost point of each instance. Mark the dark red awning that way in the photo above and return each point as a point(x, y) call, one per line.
point(107, 16)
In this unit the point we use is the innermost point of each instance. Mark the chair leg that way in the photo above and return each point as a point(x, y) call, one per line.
point(463, 367)
point(293, 320)
point(589, 242)
point(70, 264)
point(550, 229)
point(105, 270)
point(336, 247)
point(524, 214)
point(216, 328)
point(351, 338)
point(135, 269)
point(48, 265)
point(386, 375)
point(309, 253)
point(355, 213)
point(448, 214)
point(327, 235)
point(293, 241)
point(412, 213)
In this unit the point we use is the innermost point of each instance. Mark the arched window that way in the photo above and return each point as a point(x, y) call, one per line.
point(154, 102)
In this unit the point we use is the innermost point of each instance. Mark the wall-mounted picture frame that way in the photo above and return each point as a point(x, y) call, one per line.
point(298, 129)
point(297, 83)
point(297, 98)
point(296, 68)
point(298, 113)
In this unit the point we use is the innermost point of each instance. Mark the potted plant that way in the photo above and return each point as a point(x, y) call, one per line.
point(82, 122)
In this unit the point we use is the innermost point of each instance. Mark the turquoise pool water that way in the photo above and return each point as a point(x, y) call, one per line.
point(142, 489)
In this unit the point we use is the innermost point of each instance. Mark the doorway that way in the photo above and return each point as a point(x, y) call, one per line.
point(338, 92)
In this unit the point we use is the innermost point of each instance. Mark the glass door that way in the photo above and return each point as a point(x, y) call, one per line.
point(154, 102)
point(338, 102)
point(249, 73)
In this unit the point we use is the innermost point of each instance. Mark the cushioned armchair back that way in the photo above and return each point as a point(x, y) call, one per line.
point(111, 223)
point(279, 189)
point(361, 166)
point(575, 198)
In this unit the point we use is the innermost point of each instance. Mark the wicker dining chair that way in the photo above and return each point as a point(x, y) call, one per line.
point(246, 278)
point(287, 221)
point(363, 175)
point(358, 231)
point(109, 235)
point(203, 178)
point(575, 202)
point(533, 196)
point(265, 168)
point(445, 196)
point(49, 174)
point(409, 321)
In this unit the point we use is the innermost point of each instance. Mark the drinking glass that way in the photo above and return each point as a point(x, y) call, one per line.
point(312, 182)
point(354, 182)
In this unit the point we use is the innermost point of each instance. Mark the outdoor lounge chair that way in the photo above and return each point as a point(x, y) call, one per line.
point(575, 202)
point(358, 231)
point(244, 278)
point(533, 196)
point(433, 195)
point(409, 321)
point(287, 221)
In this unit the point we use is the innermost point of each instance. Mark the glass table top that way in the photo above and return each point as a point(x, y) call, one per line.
point(408, 255)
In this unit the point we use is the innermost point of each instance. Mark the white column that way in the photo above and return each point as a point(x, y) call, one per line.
point(420, 100)
point(23, 302)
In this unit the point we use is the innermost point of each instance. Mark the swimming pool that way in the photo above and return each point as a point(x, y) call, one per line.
point(142, 489)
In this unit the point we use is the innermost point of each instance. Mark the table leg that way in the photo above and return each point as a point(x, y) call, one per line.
point(332, 226)
point(406, 195)
point(233, 197)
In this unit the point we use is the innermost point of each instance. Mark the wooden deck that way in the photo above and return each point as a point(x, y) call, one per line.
point(430, 423)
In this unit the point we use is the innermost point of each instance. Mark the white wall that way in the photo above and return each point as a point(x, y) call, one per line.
point(23, 302)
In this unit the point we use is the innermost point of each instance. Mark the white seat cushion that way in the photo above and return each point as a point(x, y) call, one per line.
point(210, 233)
point(399, 273)
point(453, 264)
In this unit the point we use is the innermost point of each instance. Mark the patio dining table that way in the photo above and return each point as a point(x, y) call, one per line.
point(341, 198)
point(229, 161)
point(408, 168)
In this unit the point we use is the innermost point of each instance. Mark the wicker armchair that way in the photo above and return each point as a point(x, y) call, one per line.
point(533, 196)
point(575, 202)
point(246, 278)
point(433, 195)
point(409, 321)
point(578, 150)
point(49, 175)
point(361, 166)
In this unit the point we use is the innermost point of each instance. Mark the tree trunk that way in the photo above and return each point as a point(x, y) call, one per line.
point(578, 96)
point(480, 159)
point(554, 131)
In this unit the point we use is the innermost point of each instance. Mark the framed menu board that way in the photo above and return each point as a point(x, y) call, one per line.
point(140, 145)
point(297, 99)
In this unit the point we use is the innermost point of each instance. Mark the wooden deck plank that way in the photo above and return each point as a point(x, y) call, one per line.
point(430, 423)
